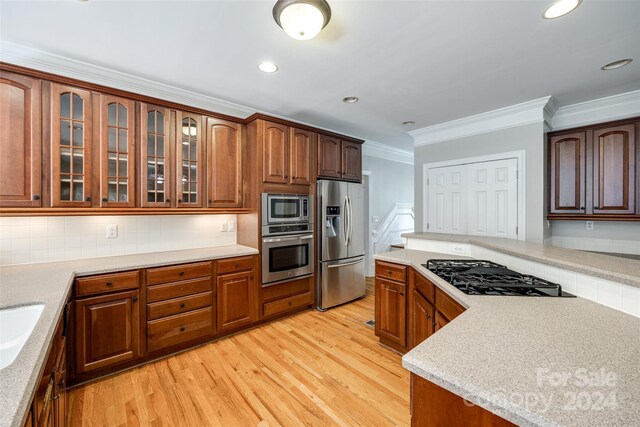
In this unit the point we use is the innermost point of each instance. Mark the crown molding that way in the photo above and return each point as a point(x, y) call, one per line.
point(536, 111)
point(599, 110)
point(56, 64)
point(387, 152)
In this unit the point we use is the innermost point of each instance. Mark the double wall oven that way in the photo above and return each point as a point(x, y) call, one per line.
point(287, 237)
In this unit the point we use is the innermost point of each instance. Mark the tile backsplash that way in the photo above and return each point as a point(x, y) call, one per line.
point(26, 240)
point(595, 244)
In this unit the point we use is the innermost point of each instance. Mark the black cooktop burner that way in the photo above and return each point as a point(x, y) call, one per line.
point(478, 277)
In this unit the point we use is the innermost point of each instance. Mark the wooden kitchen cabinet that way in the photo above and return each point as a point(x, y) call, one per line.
point(568, 173)
point(157, 148)
point(275, 153)
point(614, 169)
point(391, 313)
point(20, 141)
point(224, 163)
point(71, 139)
point(117, 152)
point(594, 173)
point(339, 159)
point(189, 160)
point(235, 288)
point(107, 330)
point(422, 319)
point(301, 156)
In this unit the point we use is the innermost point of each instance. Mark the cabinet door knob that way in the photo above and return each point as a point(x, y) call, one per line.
point(581, 208)
point(36, 197)
point(401, 294)
point(134, 299)
point(286, 176)
point(183, 305)
point(236, 265)
point(294, 177)
point(104, 199)
point(210, 201)
point(290, 302)
point(182, 329)
point(179, 200)
point(388, 271)
point(428, 316)
point(181, 273)
point(168, 201)
point(88, 199)
point(109, 284)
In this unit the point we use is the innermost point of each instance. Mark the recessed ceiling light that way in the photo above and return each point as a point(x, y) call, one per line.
point(408, 123)
point(268, 67)
point(560, 8)
point(616, 64)
point(350, 99)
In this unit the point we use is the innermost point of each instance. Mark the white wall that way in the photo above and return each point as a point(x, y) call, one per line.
point(530, 138)
point(391, 182)
point(39, 239)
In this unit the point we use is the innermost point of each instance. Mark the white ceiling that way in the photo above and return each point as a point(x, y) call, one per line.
point(427, 61)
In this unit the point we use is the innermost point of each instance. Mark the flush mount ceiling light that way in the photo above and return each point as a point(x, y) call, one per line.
point(350, 99)
point(616, 64)
point(302, 19)
point(268, 67)
point(408, 123)
point(560, 8)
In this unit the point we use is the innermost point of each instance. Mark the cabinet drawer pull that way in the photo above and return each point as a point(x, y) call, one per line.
point(134, 299)
point(182, 329)
point(236, 265)
point(388, 271)
point(183, 305)
point(181, 273)
point(290, 302)
point(109, 284)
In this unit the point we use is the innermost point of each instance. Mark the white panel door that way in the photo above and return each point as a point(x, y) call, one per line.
point(492, 198)
point(447, 200)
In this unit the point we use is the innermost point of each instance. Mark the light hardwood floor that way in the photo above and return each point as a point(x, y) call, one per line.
point(311, 369)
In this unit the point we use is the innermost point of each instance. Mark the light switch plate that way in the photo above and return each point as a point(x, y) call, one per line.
point(590, 225)
point(231, 225)
point(112, 231)
point(224, 227)
point(375, 219)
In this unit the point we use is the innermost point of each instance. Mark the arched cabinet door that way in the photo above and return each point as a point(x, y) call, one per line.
point(189, 160)
point(117, 152)
point(156, 154)
point(20, 141)
point(275, 166)
point(302, 156)
point(224, 163)
point(568, 168)
point(71, 146)
point(614, 170)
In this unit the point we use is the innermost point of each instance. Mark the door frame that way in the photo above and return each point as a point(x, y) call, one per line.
point(519, 155)
point(368, 242)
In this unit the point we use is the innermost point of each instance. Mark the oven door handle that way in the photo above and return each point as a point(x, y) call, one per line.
point(287, 239)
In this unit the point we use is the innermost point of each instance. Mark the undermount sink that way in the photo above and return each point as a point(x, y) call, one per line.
point(16, 324)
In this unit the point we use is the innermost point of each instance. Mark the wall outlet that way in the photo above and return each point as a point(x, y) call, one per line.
point(224, 227)
point(375, 219)
point(458, 249)
point(589, 225)
point(112, 231)
point(231, 225)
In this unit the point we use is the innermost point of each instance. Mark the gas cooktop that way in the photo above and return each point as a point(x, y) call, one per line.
point(479, 277)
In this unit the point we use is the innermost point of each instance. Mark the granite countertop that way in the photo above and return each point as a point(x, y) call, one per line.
point(533, 361)
point(50, 284)
point(616, 269)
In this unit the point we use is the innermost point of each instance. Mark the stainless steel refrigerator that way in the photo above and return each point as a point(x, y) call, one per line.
point(340, 273)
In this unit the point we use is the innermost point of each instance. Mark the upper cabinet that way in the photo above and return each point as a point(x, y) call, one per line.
point(301, 155)
point(275, 159)
point(224, 163)
point(156, 148)
point(614, 170)
point(71, 146)
point(339, 159)
point(117, 152)
point(189, 160)
point(20, 141)
point(593, 172)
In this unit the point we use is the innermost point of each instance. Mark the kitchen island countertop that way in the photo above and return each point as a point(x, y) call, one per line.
point(533, 361)
point(50, 284)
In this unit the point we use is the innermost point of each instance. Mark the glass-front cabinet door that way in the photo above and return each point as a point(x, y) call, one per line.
point(189, 160)
point(156, 171)
point(71, 129)
point(117, 152)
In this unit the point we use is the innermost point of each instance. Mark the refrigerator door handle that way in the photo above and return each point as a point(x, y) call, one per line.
point(350, 218)
point(346, 264)
point(347, 220)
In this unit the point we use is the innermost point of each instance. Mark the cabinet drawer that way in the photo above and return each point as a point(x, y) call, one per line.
point(286, 304)
point(426, 288)
point(178, 289)
point(107, 283)
point(180, 328)
point(447, 306)
point(391, 271)
point(178, 272)
point(234, 264)
point(178, 305)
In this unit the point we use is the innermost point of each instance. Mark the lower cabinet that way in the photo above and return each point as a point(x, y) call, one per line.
point(235, 299)
point(286, 297)
point(422, 319)
point(107, 330)
point(432, 405)
point(391, 306)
